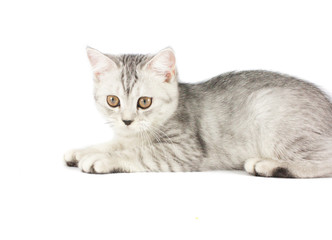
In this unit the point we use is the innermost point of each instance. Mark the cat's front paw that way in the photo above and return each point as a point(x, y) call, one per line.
point(70, 158)
point(97, 163)
point(73, 157)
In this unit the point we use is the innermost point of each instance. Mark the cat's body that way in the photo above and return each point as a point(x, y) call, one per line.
point(266, 123)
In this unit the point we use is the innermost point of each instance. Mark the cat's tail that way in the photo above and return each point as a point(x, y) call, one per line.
point(319, 164)
point(288, 169)
point(311, 169)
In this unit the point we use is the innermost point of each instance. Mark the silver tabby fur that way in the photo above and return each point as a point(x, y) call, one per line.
point(265, 123)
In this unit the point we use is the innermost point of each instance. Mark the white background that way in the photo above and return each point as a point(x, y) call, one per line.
point(47, 108)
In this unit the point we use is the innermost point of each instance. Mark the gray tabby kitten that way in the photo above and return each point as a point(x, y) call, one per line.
point(266, 123)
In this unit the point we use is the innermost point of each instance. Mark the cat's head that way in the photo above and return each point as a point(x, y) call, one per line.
point(135, 93)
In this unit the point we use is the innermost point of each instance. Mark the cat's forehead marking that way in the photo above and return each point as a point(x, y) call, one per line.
point(129, 71)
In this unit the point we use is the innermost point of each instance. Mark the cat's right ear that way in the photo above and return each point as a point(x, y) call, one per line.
point(100, 63)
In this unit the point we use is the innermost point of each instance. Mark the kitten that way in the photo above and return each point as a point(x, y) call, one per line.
point(266, 123)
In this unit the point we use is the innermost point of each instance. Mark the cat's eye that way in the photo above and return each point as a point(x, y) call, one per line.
point(113, 101)
point(144, 102)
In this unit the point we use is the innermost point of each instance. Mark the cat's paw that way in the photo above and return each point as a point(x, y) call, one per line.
point(73, 157)
point(249, 165)
point(266, 168)
point(96, 163)
point(70, 158)
point(260, 167)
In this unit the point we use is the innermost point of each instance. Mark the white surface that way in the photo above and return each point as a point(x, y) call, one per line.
point(47, 107)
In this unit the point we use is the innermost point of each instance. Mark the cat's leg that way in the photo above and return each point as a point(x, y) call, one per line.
point(150, 158)
point(121, 160)
point(73, 156)
point(288, 169)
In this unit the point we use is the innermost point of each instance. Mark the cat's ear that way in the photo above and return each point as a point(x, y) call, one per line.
point(100, 63)
point(163, 63)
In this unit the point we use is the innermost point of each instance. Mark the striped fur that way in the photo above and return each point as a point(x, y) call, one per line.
point(129, 74)
point(266, 123)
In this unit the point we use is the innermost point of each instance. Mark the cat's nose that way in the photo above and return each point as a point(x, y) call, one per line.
point(127, 122)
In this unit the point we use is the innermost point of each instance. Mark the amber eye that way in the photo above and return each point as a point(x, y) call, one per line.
point(113, 101)
point(144, 102)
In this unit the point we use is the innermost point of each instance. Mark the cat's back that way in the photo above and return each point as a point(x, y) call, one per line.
point(236, 97)
point(253, 80)
point(232, 87)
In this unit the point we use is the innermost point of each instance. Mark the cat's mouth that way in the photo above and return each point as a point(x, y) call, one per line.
point(134, 127)
point(128, 128)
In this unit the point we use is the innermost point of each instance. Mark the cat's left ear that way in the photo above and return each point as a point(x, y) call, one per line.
point(163, 63)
